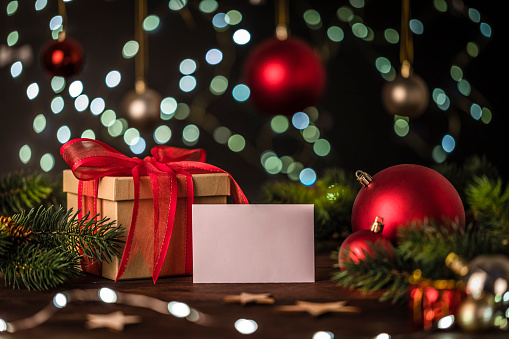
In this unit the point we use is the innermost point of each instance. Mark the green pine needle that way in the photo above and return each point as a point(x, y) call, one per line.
point(20, 191)
point(94, 238)
point(36, 268)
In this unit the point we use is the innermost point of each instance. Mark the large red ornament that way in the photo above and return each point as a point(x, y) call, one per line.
point(284, 76)
point(63, 58)
point(404, 193)
point(358, 245)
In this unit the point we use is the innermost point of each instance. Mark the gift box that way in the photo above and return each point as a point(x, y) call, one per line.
point(115, 200)
point(433, 300)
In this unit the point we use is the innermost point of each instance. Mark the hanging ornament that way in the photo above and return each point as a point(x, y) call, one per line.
point(284, 74)
point(403, 194)
point(63, 57)
point(141, 106)
point(357, 245)
point(407, 94)
point(476, 314)
point(485, 273)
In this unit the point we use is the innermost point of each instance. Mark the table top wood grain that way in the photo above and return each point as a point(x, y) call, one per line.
point(70, 322)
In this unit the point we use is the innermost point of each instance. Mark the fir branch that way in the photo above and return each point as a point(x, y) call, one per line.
point(428, 243)
point(489, 201)
point(38, 268)
point(5, 243)
point(99, 239)
point(381, 270)
point(20, 191)
point(332, 195)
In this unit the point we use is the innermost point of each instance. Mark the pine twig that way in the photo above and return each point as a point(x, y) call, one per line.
point(99, 239)
point(38, 268)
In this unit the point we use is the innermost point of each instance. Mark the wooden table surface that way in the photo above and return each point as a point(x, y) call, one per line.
point(70, 321)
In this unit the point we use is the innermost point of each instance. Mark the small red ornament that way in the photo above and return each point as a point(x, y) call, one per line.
point(357, 244)
point(63, 58)
point(405, 193)
point(284, 76)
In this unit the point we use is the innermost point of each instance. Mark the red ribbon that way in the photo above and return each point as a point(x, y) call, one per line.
point(91, 160)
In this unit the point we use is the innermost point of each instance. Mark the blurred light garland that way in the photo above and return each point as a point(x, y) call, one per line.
point(197, 114)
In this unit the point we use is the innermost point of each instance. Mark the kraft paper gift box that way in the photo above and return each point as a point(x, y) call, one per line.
point(115, 201)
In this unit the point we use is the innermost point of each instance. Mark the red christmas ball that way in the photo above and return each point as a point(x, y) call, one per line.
point(63, 58)
point(357, 245)
point(284, 76)
point(404, 193)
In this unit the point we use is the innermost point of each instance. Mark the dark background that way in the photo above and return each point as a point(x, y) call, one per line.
point(352, 116)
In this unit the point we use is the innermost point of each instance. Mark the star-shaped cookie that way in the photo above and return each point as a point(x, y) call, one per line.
point(245, 298)
point(114, 321)
point(317, 309)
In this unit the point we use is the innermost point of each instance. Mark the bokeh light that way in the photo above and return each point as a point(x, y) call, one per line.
point(222, 134)
point(47, 162)
point(113, 79)
point(139, 146)
point(39, 123)
point(335, 33)
point(219, 20)
point(218, 85)
point(131, 136)
point(446, 322)
point(416, 26)
point(179, 309)
point(191, 133)
point(162, 134)
point(307, 176)
point(107, 295)
point(108, 117)
point(311, 134)
point(64, 134)
point(401, 127)
point(294, 170)
point(168, 106)
point(12, 7)
point(25, 154)
point(32, 91)
point(312, 19)
point(241, 37)
point(55, 22)
point(246, 326)
point(187, 66)
point(233, 17)
point(57, 84)
point(97, 106)
point(448, 143)
point(187, 83)
point(182, 111)
point(89, 134)
point(359, 30)
point(279, 124)
point(151, 22)
point(273, 165)
point(208, 6)
point(383, 65)
point(438, 154)
point(236, 143)
point(475, 111)
point(321, 147)
point(345, 14)
point(75, 88)
point(241, 92)
point(177, 5)
point(391, 35)
point(12, 38)
point(130, 49)
point(485, 29)
point(486, 115)
point(300, 120)
point(60, 300)
point(213, 56)
point(323, 335)
point(81, 103)
point(16, 69)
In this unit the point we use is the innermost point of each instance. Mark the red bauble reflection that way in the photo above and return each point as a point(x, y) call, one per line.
point(357, 245)
point(405, 193)
point(63, 58)
point(284, 76)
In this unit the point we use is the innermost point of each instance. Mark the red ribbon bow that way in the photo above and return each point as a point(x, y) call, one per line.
point(91, 160)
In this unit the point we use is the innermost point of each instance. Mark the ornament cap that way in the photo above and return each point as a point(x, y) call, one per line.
point(364, 178)
point(378, 225)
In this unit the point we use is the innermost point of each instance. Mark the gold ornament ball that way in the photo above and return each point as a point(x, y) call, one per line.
point(406, 96)
point(142, 109)
point(476, 314)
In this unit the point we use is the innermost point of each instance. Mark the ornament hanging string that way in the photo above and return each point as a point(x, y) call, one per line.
point(91, 160)
point(141, 57)
point(62, 12)
point(282, 18)
point(406, 53)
